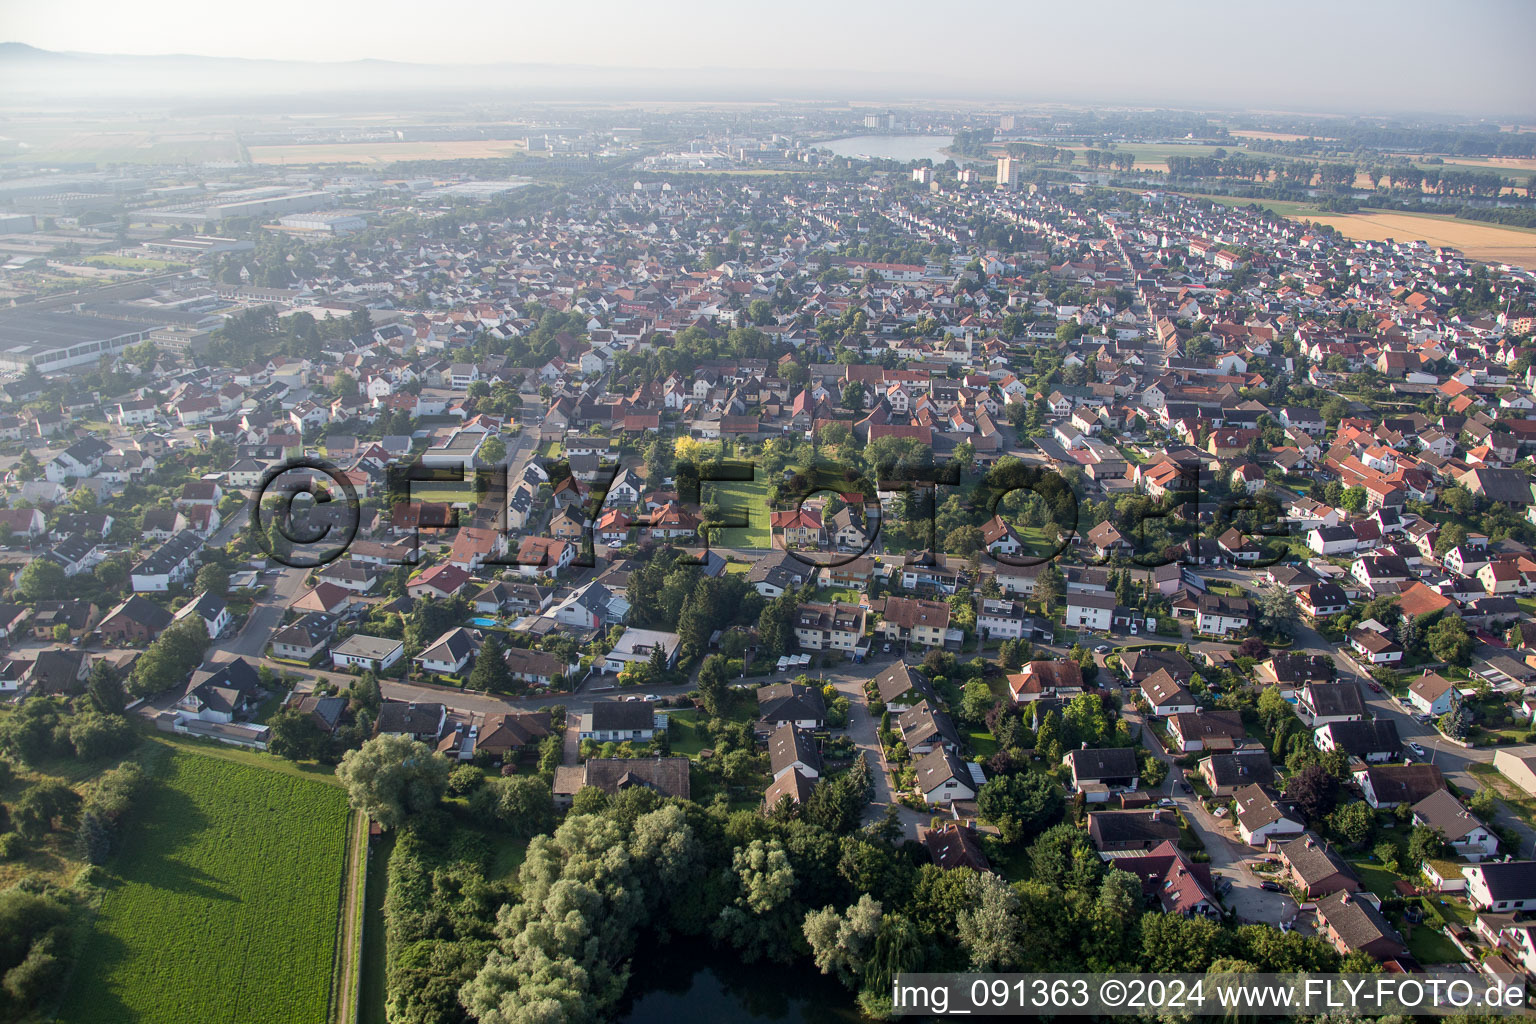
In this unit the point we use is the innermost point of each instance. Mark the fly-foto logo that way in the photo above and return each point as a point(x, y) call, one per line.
point(306, 513)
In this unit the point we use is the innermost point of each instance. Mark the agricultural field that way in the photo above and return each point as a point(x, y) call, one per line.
point(220, 854)
point(1493, 243)
point(132, 263)
point(41, 145)
point(385, 152)
point(741, 498)
point(1275, 136)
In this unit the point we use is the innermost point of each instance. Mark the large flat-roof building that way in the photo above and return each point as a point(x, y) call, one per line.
point(57, 341)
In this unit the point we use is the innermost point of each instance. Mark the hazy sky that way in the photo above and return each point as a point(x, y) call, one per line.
point(1472, 56)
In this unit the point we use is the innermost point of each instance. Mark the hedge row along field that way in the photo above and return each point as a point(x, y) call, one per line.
point(223, 904)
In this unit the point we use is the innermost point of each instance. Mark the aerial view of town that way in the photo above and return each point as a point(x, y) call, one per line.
point(601, 531)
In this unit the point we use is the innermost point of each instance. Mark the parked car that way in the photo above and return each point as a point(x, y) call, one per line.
point(1375, 686)
point(1186, 787)
point(1272, 887)
point(1102, 649)
point(1165, 802)
point(1416, 749)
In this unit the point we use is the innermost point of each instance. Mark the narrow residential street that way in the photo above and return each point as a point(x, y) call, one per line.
point(864, 730)
point(1228, 855)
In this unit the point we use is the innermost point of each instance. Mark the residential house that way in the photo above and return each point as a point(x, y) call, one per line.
point(790, 703)
point(1166, 696)
point(1507, 885)
point(666, 776)
point(1132, 831)
point(1263, 817)
point(618, 721)
point(1099, 773)
point(1352, 922)
point(1315, 868)
point(1466, 836)
point(901, 687)
point(1370, 741)
point(1226, 773)
point(370, 653)
point(942, 778)
point(1387, 785)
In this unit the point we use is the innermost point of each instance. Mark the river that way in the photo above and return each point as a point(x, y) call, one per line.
point(696, 981)
point(904, 148)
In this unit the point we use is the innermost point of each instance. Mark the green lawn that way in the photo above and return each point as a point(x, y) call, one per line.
point(130, 263)
point(223, 904)
point(1429, 945)
point(846, 595)
point(741, 499)
point(509, 856)
point(687, 733)
point(983, 743)
point(1376, 878)
point(449, 492)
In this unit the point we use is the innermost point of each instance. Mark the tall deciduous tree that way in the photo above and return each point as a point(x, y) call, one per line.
point(392, 777)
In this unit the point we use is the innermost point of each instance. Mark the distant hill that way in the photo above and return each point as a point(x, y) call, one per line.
point(30, 76)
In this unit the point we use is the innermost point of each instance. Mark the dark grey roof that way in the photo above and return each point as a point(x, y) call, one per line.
point(622, 716)
point(666, 775)
point(1312, 860)
point(790, 702)
point(1105, 763)
point(1242, 767)
point(788, 745)
point(899, 679)
point(1330, 699)
point(1148, 827)
point(413, 719)
point(1509, 880)
point(1362, 738)
point(1356, 921)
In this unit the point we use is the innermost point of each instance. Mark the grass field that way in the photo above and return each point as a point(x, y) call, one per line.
point(1275, 136)
point(1491, 242)
point(741, 498)
point(223, 904)
point(385, 152)
point(688, 736)
point(109, 146)
point(1429, 945)
point(450, 493)
point(130, 263)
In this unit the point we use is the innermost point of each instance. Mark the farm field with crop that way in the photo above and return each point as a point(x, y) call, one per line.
point(222, 905)
point(1491, 242)
point(385, 152)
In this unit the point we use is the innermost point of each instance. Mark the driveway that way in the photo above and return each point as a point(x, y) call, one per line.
point(864, 730)
point(1229, 856)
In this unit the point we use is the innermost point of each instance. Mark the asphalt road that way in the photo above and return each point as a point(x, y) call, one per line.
point(1229, 855)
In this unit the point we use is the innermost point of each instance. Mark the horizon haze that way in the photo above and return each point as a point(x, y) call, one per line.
point(1367, 58)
